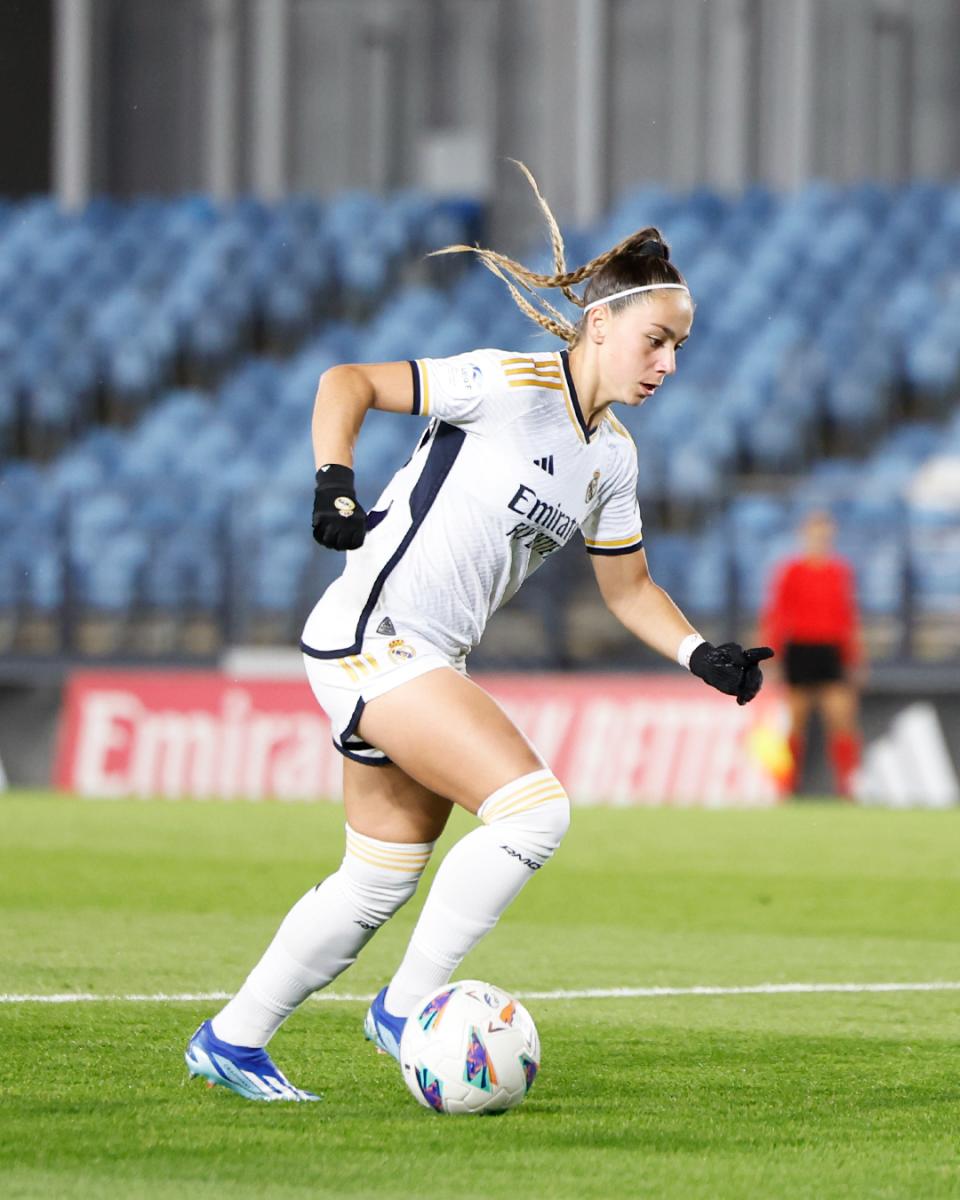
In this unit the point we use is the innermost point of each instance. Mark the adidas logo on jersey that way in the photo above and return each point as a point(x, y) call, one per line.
point(545, 464)
point(386, 628)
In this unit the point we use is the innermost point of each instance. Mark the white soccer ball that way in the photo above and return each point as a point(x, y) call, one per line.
point(469, 1047)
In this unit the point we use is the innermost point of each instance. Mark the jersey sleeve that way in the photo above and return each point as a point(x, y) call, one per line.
point(614, 526)
point(452, 389)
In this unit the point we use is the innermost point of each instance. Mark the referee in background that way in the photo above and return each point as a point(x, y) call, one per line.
point(811, 620)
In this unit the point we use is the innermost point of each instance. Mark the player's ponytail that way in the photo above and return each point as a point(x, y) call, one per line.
point(641, 260)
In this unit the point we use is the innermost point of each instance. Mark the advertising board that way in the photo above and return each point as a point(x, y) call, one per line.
point(620, 740)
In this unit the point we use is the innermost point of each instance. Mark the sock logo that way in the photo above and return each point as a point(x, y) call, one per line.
point(365, 925)
point(527, 862)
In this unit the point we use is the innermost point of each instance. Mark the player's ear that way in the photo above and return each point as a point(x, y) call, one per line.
point(597, 324)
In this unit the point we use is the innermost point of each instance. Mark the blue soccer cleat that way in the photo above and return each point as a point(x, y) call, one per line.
point(247, 1070)
point(383, 1028)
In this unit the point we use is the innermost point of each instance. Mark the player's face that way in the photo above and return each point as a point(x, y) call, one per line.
point(640, 345)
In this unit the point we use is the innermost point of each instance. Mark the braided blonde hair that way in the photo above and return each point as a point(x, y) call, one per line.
point(615, 270)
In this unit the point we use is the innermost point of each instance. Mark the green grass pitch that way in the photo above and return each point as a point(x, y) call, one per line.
point(809, 1095)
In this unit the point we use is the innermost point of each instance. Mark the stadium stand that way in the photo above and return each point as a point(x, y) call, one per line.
point(158, 361)
point(102, 310)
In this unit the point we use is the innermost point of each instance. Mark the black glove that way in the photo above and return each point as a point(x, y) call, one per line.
point(338, 520)
point(730, 669)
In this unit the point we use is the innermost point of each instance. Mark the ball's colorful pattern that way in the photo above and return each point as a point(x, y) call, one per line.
point(469, 1047)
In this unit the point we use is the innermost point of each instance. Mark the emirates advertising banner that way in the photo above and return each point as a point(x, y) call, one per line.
point(614, 740)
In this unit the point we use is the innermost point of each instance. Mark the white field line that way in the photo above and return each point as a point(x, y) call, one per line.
point(620, 993)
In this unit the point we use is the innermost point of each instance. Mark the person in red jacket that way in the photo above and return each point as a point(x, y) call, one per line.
point(811, 621)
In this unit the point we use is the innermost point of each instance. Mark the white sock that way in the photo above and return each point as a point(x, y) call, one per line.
point(322, 935)
point(523, 825)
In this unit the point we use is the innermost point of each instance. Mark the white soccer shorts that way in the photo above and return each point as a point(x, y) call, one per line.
point(343, 686)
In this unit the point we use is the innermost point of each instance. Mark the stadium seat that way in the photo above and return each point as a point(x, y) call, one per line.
point(120, 295)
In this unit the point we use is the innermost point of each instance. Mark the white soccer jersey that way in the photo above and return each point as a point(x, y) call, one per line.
point(505, 474)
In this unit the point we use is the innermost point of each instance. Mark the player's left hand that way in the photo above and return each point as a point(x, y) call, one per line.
point(730, 669)
point(752, 675)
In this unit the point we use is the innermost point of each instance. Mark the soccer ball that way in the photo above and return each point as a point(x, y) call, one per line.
point(469, 1047)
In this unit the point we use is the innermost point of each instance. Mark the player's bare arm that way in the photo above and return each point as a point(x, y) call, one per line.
point(345, 395)
point(637, 602)
point(649, 613)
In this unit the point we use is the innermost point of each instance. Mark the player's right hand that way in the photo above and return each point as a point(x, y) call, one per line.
point(730, 669)
point(338, 520)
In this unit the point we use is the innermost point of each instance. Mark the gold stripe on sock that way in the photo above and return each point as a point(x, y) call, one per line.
point(525, 805)
point(398, 860)
point(521, 806)
point(531, 789)
point(541, 787)
point(388, 855)
point(406, 867)
point(378, 847)
point(543, 777)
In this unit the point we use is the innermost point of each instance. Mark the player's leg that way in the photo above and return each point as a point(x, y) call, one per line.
point(453, 738)
point(800, 703)
point(479, 749)
point(383, 802)
point(325, 930)
point(838, 707)
point(392, 823)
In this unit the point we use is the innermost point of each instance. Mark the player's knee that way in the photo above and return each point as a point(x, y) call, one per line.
point(553, 819)
point(535, 808)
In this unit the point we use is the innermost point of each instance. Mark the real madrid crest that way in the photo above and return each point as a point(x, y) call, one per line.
point(592, 487)
point(399, 651)
point(345, 506)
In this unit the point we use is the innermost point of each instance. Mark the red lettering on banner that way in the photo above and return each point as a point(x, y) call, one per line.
point(619, 740)
point(182, 736)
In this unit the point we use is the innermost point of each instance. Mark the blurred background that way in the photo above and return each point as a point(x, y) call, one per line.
point(205, 203)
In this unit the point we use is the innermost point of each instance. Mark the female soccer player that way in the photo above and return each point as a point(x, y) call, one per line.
point(811, 619)
point(521, 452)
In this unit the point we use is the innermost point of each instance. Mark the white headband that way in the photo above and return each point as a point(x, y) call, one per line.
point(647, 287)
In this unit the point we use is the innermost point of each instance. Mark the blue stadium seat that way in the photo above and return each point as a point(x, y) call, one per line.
point(709, 574)
point(120, 293)
point(881, 572)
